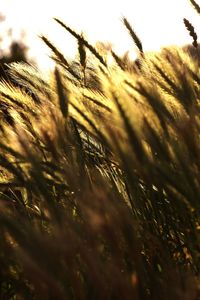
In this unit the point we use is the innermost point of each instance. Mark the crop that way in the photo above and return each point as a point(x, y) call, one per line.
point(100, 175)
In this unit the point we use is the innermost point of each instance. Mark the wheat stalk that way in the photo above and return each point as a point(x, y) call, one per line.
point(192, 32)
point(83, 41)
point(195, 5)
point(133, 34)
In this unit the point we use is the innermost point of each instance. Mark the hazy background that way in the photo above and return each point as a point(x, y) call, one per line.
point(157, 23)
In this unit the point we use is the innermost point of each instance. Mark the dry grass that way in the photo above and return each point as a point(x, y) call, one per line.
point(100, 178)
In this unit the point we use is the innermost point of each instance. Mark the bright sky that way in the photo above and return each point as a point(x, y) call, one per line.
point(157, 23)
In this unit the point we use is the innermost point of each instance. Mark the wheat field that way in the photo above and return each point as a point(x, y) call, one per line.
point(100, 175)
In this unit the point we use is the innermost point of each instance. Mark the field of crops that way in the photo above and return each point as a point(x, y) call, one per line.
point(100, 175)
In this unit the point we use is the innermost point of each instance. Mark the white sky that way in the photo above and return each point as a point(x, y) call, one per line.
point(157, 22)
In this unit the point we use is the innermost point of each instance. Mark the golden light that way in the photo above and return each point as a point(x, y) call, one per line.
point(157, 23)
